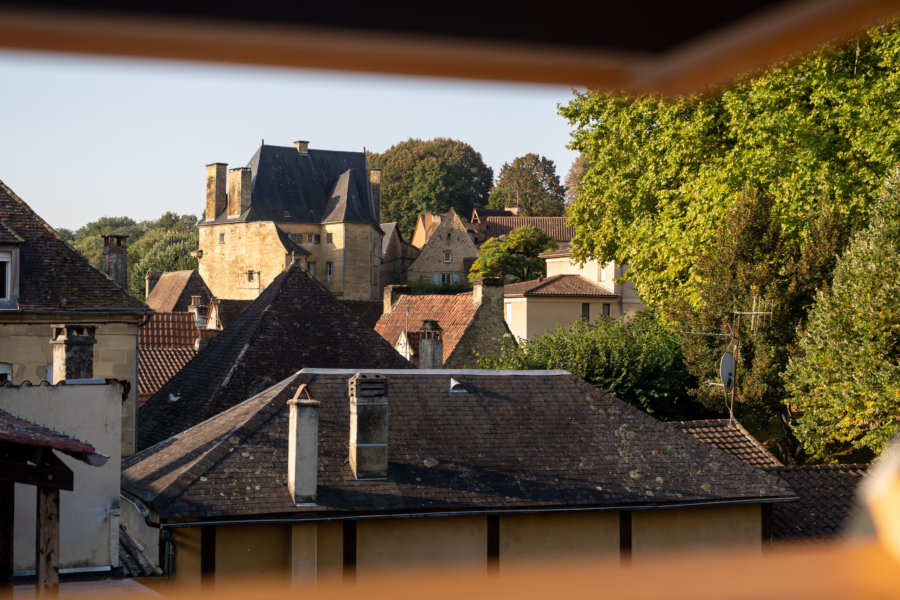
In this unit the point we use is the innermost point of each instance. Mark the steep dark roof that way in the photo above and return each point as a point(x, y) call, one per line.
point(173, 291)
point(8, 236)
point(368, 311)
point(827, 494)
point(555, 227)
point(731, 438)
point(558, 285)
point(294, 323)
point(53, 276)
point(322, 186)
point(229, 310)
point(513, 440)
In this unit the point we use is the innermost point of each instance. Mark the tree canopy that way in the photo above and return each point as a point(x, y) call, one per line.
point(845, 381)
point(514, 256)
point(638, 361)
point(430, 176)
point(530, 182)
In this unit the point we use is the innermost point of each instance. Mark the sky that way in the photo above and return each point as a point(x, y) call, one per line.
point(87, 137)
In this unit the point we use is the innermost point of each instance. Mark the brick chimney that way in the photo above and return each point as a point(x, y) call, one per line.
point(488, 292)
point(368, 425)
point(375, 181)
point(238, 191)
point(431, 345)
point(115, 258)
point(391, 294)
point(302, 147)
point(303, 447)
point(151, 278)
point(215, 189)
point(73, 351)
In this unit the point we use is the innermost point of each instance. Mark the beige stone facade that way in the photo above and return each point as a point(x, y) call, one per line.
point(447, 254)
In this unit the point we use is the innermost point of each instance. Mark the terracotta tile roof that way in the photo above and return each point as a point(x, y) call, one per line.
point(453, 312)
point(167, 329)
point(229, 310)
point(731, 438)
point(827, 494)
point(293, 324)
point(558, 285)
point(512, 441)
point(368, 311)
point(53, 276)
point(173, 291)
point(16, 430)
point(555, 227)
point(158, 365)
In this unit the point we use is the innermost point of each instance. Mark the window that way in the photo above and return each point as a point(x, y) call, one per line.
point(251, 276)
point(606, 310)
point(5, 372)
point(329, 238)
point(448, 256)
point(221, 238)
point(447, 278)
point(317, 239)
point(586, 311)
point(310, 238)
point(329, 268)
point(311, 268)
point(5, 274)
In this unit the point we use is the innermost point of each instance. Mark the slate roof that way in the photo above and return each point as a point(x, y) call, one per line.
point(173, 291)
point(16, 430)
point(513, 441)
point(53, 276)
point(453, 312)
point(8, 236)
point(827, 494)
point(555, 227)
point(731, 438)
point(368, 311)
point(558, 285)
point(133, 560)
point(294, 323)
point(322, 186)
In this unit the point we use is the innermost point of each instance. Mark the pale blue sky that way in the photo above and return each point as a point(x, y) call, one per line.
point(86, 137)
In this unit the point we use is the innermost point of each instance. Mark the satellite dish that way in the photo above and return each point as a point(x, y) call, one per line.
point(726, 369)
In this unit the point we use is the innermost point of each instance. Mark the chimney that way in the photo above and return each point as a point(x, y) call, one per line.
point(391, 294)
point(150, 280)
point(115, 258)
point(215, 189)
point(303, 447)
point(431, 345)
point(238, 191)
point(302, 147)
point(73, 351)
point(375, 181)
point(195, 309)
point(488, 292)
point(368, 425)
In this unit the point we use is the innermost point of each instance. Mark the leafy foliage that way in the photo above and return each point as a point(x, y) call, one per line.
point(170, 252)
point(845, 381)
point(817, 132)
point(430, 176)
point(577, 171)
point(531, 183)
point(638, 361)
point(514, 256)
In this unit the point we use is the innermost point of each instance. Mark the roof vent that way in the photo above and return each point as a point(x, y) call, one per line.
point(457, 386)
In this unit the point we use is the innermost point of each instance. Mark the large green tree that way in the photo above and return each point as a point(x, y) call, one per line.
point(845, 381)
point(430, 176)
point(515, 256)
point(530, 183)
point(637, 360)
point(821, 131)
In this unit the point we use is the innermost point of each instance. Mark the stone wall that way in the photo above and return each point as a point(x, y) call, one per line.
point(450, 236)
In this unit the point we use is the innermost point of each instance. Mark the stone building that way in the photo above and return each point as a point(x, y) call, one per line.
point(447, 250)
point(45, 283)
point(315, 207)
point(396, 255)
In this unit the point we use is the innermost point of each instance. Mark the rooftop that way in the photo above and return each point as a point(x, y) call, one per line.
point(453, 312)
point(558, 285)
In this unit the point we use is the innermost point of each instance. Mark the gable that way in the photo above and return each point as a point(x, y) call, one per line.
point(448, 236)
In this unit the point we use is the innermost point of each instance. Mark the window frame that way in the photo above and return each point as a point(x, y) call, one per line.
point(6, 264)
point(448, 256)
point(329, 269)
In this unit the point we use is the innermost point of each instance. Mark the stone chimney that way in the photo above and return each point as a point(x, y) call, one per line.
point(195, 309)
point(303, 447)
point(391, 294)
point(238, 191)
point(150, 281)
point(488, 292)
point(368, 425)
point(115, 258)
point(73, 351)
point(302, 147)
point(375, 181)
point(215, 189)
point(431, 345)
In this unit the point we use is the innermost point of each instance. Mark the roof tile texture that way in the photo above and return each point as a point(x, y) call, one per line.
point(453, 312)
point(173, 291)
point(558, 285)
point(730, 437)
point(165, 330)
point(555, 227)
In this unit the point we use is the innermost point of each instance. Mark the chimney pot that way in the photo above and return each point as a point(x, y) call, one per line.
point(302, 146)
point(151, 278)
point(215, 189)
point(391, 294)
point(431, 345)
point(239, 181)
point(368, 425)
point(73, 351)
point(303, 447)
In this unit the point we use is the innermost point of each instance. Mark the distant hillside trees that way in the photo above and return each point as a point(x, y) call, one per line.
point(530, 183)
point(420, 176)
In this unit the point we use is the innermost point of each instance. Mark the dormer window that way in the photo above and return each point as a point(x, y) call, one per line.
point(5, 275)
point(9, 277)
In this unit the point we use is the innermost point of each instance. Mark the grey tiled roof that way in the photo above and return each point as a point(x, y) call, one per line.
point(294, 323)
point(514, 440)
point(730, 437)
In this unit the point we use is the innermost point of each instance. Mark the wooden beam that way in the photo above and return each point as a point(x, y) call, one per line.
point(7, 516)
point(46, 551)
point(52, 473)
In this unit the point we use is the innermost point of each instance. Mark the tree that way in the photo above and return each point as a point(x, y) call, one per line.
point(530, 182)
point(171, 252)
point(845, 380)
point(638, 361)
point(816, 132)
point(580, 166)
point(514, 256)
point(430, 176)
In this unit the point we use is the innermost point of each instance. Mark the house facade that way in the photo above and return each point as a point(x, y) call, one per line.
point(355, 472)
point(315, 207)
point(447, 251)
